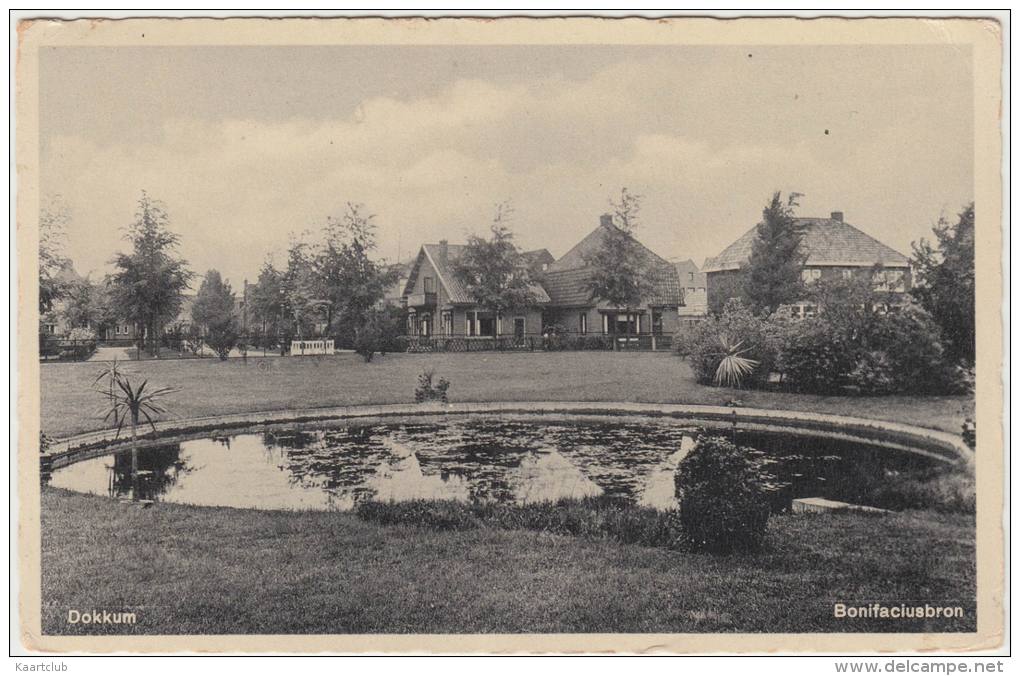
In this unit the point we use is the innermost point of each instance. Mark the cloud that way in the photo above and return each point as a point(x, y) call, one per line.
point(705, 146)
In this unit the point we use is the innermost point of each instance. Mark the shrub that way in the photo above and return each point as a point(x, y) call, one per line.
point(910, 342)
point(378, 333)
point(723, 494)
point(703, 343)
point(814, 354)
point(969, 433)
point(943, 491)
point(873, 373)
point(80, 344)
point(427, 391)
point(223, 336)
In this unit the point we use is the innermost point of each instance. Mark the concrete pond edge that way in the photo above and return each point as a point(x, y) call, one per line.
point(894, 436)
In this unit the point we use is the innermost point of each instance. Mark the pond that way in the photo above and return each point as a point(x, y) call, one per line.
point(509, 459)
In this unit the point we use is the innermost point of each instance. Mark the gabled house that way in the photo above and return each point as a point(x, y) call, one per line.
point(832, 247)
point(695, 286)
point(572, 308)
point(437, 303)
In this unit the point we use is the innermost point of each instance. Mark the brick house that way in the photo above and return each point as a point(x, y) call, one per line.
point(438, 305)
point(695, 286)
point(833, 248)
point(571, 307)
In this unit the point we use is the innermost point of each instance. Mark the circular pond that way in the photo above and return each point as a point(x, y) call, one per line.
point(510, 458)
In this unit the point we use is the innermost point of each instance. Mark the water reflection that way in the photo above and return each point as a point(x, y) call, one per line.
point(516, 461)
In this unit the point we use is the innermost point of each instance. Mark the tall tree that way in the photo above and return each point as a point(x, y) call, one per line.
point(267, 300)
point(88, 305)
point(493, 271)
point(301, 288)
point(53, 221)
point(619, 269)
point(772, 274)
point(214, 310)
point(148, 283)
point(348, 279)
point(944, 282)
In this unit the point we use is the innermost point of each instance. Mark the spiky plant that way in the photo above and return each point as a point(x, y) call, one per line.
point(733, 365)
point(127, 404)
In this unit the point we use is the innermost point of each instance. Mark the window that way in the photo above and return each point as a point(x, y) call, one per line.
point(656, 323)
point(809, 275)
point(582, 322)
point(690, 276)
point(429, 285)
point(471, 325)
point(847, 273)
point(890, 280)
point(447, 323)
point(426, 324)
point(485, 324)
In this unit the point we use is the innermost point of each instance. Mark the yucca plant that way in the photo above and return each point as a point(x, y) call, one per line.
point(127, 404)
point(733, 365)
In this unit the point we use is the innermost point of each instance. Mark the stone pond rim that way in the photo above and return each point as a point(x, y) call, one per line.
point(890, 435)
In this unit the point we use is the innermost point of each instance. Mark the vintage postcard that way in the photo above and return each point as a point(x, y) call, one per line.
point(513, 335)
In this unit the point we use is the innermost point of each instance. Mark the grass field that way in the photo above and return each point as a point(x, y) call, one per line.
point(210, 386)
point(211, 571)
point(188, 569)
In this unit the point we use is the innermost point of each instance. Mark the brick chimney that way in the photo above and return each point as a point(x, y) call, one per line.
point(837, 216)
point(444, 250)
point(606, 220)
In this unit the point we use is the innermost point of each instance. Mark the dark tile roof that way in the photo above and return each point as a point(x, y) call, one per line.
point(826, 242)
point(566, 280)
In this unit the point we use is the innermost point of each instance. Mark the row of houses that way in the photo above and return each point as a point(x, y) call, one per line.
point(438, 305)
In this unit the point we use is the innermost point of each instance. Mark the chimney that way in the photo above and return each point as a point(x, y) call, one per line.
point(606, 220)
point(837, 216)
point(444, 250)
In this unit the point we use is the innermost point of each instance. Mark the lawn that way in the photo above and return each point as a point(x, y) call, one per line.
point(210, 571)
point(210, 386)
point(188, 569)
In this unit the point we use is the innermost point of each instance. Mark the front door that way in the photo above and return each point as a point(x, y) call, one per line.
point(520, 326)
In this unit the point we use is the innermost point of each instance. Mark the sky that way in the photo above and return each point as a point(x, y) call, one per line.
point(248, 145)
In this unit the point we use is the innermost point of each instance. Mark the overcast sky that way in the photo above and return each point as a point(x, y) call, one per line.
point(248, 144)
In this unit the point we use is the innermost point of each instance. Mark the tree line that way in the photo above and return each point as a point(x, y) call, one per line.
point(332, 282)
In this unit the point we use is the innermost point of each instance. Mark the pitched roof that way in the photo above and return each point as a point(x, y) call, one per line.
point(826, 242)
point(537, 258)
point(444, 268)
point(687, 268)
point(566, 280)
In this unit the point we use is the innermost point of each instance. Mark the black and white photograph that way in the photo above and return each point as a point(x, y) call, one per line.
point(514, 332)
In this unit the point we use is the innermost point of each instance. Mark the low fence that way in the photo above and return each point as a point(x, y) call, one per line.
point(535, 343)
point(56, 349)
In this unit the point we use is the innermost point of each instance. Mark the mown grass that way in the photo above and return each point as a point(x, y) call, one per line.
point(210, 386)
point(211, 570)
point(595, 518)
